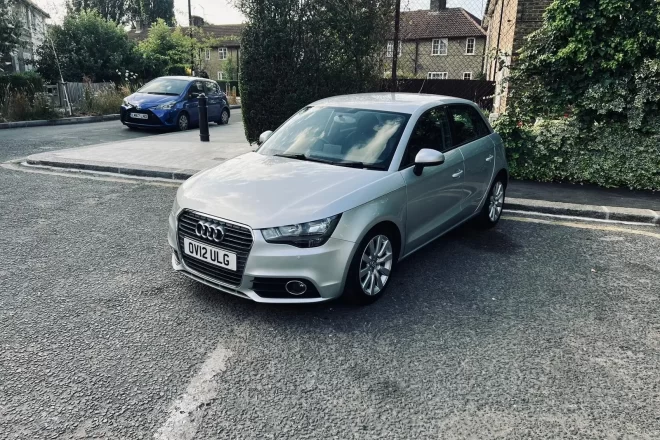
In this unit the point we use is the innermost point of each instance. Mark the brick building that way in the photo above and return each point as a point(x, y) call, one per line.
point(438, 43)
point(214, 59)
point(33, 21)
point(507, 24)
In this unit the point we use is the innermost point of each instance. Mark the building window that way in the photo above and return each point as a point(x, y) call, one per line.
point(437, 75)
point(390, 49)
point(221, 76)
point(439, 46)
point(467, 75)
point(207, 54)
point(222, 53)
point(469, 46)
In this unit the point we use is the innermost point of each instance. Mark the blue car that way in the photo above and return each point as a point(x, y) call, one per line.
point(171, 102)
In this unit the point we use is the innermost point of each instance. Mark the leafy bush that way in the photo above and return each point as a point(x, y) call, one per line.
point(610, 155)
point(21, 105)
point(28, 82)
point(102, 102)
point(294, 52)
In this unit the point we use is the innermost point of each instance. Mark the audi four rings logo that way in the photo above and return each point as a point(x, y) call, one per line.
point(210, 231)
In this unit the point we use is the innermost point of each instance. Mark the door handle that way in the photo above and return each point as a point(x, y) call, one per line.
point(489, 158)
point(457, 174)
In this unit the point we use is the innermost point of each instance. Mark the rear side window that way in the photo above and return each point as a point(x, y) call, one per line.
point(467, 125)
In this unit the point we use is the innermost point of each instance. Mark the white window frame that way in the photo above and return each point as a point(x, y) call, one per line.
point(221, 75)
point(222, 53)
point(437, 75)
point(390, 49)
point(474, 46)
point(467, 73)
point(207, 54)
point(435, 46)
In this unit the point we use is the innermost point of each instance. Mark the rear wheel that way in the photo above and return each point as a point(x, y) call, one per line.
point(182, 122)
point(371, 268)
point(492, 210)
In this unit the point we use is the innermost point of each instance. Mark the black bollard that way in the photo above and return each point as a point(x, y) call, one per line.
point(203, 118)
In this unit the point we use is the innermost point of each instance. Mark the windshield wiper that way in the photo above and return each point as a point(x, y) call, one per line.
point(292, 156)
point(343, 163)
point(162, 93)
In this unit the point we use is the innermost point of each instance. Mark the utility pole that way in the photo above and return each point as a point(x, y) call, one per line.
point(395, 50)
point(190, 32)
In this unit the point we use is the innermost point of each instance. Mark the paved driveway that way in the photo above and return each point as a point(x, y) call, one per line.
point(533, 330)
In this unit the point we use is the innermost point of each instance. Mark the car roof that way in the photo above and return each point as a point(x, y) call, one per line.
point(394, 102)
point(185, 78)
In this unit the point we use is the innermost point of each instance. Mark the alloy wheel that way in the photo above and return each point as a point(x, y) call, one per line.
point(183, 122)
point(496, 201)
point(224, 118)
point(376, 265)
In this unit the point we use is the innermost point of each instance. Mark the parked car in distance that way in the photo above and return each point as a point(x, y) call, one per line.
point(172, 102)
point(337, 196)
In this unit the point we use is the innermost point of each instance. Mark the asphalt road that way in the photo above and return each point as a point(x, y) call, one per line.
point(528, 331)
point(16, 143)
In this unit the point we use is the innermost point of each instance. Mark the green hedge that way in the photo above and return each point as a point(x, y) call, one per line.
point(610, 155)
point(28, 82)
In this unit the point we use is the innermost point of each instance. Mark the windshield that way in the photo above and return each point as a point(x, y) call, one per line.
point(340, 136)
point(165, 86)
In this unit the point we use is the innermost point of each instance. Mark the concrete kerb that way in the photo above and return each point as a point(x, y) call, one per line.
point(587, 211)
point(63, 121)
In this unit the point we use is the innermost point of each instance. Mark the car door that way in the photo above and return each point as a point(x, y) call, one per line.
point(213, 100)
point(192, 102)
point(470, 134)
point(434, 197)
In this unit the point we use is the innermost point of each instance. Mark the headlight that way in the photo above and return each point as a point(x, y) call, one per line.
point(175, 207)
point(167, 105)
point(303, 235)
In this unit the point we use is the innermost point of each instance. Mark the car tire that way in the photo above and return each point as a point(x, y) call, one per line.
point(369, 266)
point(182, 122)
point(224, 117)
point(492, 210)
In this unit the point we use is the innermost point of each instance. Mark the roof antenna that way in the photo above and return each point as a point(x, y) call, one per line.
point(420, 89)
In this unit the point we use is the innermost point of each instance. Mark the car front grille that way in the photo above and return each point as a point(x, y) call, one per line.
point(237, 239)
point(151, 120)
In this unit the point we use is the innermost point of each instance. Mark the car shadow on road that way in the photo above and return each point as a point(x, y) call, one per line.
point(437, 283)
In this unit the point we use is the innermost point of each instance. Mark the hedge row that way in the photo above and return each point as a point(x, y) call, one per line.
point(610, 155)
point(28, 82)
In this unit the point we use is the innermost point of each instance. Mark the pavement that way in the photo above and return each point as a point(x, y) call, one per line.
point(179, 155)
point(536, 329)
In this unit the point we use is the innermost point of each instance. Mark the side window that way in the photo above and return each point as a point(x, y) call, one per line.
point(196, 87)
point(209, 89)
point(431, 131)
point(463, 129)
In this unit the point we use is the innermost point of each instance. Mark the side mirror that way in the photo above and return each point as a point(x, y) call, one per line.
point(194, 95)
point(427, 158)
point(264, 136)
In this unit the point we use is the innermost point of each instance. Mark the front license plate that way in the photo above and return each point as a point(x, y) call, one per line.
point(139, 116)
point(210, 254)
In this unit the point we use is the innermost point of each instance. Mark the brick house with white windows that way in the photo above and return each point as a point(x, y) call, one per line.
point(438, 43)
point(214, 59)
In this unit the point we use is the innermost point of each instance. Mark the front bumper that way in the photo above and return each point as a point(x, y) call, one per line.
point(155, 117)
point(325, 267)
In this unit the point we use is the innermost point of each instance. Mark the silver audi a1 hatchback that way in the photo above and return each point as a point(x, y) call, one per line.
point(337, 196)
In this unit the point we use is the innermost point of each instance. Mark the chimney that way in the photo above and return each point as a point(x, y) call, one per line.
point(437, 5)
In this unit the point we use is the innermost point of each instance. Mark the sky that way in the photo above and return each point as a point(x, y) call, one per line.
point(221, 11)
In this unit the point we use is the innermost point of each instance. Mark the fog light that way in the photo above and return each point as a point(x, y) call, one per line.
point(296, 287)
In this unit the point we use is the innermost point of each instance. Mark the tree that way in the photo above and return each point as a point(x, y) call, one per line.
point(113, 10)
point(145, 12)
point(87, 45)
point(10, 30)
point(165, 51)
point(596, 59)
point(296, 51)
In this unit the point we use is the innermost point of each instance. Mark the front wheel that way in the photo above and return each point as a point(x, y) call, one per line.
point(492, 210)
point(371, 268)
point(182, 122)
